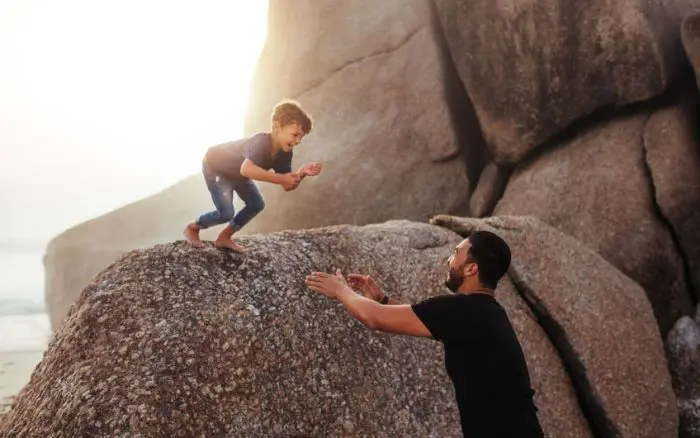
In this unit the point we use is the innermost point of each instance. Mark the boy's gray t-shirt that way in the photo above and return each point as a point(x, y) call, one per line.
point(226, 159)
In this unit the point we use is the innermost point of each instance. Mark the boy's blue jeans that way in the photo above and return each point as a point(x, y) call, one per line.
point(221, 190)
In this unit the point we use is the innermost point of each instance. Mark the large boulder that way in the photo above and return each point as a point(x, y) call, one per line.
point(559, 411)
point(183, 342)
point(597, 188)
point(188, 342)
point(598, 319)
point(673, 156)
point(683, 347)
point(690, 35)
point(489, 189)
point(531, 68)
point(376, 82)
point(75, 256)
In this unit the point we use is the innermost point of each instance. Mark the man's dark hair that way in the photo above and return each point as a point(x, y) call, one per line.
point(492, 254)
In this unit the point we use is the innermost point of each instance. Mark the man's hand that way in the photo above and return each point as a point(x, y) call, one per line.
point(399, 319)
point(311, 169)
point(290, 181)
point(366, 284)
point(327, 284)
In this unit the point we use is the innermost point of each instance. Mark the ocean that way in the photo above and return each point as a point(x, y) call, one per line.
point(24, 324)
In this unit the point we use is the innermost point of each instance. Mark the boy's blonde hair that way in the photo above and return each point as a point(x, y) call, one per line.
point(288, 112)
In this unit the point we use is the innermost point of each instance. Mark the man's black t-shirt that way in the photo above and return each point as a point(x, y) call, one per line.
point(226, 159)
point(485, 363)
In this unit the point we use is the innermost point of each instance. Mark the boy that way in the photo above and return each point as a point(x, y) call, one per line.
point(232, 167)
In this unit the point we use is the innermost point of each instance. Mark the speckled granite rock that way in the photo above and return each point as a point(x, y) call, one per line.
point(683, 347)
point(597, 188)
point(531, 68)
point(558, 409)
point(600, 321)
point(203, 342)
point(182, 342)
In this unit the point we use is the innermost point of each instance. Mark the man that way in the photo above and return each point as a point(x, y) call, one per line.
point(482, 354)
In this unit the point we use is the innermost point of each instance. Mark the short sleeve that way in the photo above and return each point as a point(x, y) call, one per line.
point(284, 164)
point(437, 314)
point(257, 150)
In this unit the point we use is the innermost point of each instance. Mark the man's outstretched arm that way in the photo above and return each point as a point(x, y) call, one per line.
point(399, 319)
point(370, 289)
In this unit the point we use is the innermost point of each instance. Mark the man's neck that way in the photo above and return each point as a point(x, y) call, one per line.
point(471, 290)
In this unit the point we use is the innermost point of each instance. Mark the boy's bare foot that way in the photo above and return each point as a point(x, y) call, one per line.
point(229, 244)
point(192, 235)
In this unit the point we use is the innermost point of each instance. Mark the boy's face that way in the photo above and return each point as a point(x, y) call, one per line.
point(288, 136)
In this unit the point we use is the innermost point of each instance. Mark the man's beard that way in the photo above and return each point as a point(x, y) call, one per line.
point(454, 281)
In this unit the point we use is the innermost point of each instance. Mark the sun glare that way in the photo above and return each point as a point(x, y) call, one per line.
point(102, 103)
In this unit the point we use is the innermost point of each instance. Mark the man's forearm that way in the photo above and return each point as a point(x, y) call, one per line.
point(387, 300)
point(358, 306)
point(393, 302)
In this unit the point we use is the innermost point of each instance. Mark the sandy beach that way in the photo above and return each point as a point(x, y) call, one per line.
point(16, 368)
point(24, 340)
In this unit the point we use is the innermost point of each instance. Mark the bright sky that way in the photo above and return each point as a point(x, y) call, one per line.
point(103, 103)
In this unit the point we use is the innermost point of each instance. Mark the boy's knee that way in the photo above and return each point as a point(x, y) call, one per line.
point(258, 204)
point(227, 214)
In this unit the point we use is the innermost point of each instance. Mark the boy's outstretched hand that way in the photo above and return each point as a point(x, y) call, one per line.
point(311, 169)
point(290, 181)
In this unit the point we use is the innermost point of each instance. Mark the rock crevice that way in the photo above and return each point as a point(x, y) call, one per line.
point(690, 285)
point(351, 62)
point(589, 401)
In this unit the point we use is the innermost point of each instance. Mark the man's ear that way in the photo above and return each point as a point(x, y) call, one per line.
point(276, 125)
point(471, 269)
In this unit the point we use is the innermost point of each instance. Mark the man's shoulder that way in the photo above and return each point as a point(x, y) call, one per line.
point(468, 299)
point(439, 304)
point(458, 304)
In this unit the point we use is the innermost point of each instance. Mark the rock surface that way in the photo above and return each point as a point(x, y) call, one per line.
point(75, 256)
point(231, 346)
point(532, 68)
point(492, 183)
point(558, 409)
point(187, 342)
point(672, 151)
point(374, 80)
point(597, 188)
point(690, 35)
point(599, 320)
point(683, 347)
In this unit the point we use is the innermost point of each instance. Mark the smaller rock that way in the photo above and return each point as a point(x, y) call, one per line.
point(683, 349)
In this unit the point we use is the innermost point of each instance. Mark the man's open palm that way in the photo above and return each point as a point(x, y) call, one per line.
point(365, 284)
point(327, 284)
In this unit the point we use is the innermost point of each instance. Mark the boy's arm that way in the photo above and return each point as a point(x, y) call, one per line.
point(309, 169)
point(300, 173)
point(251, 170)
